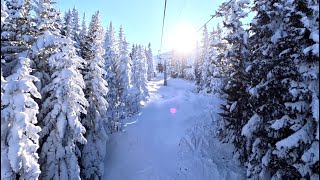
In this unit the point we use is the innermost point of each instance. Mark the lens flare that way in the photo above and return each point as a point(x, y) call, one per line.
point(173, 110)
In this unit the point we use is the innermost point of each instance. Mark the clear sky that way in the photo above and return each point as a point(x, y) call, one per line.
point(142, 19)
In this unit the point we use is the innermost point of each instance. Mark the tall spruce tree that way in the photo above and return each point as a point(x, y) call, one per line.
point(237, 109)
point(83, 44)
point(150, 62)
point(179, 64)
point(19, 133)
point(4, 14)
point(62, 96)
point(111, 66)
point(135, 90)
point(16, 34)
point(123, 73)
point(83, 31)
point(216, 70)
point(60, 114)
point(204, 60)
point(142, 68)
point(48, 23)
point(295, 131)
point(75, 24)
point(94, 150)
point(196, 64)
point(75, 36)
point(266, 95)
point(68, 24)
point(200, 59)
point(282, 129)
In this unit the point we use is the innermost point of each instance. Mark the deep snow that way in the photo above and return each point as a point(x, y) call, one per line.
point(171, 138)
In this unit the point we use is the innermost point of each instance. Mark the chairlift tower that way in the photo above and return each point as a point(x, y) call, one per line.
point(164, 70)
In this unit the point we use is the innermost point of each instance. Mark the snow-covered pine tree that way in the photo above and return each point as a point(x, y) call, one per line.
point(82, 46)
point(310, 161)
point(6, 170)
point(178, 63)
point(237, 109)
point(16, 34)
point(83, 42)
point(83, 31)
point(282, 131)
point(297, 56)
point(19, 133)
point(111, 65)
point(196, 64)
point(204, 61)
point(142, 68)
point(68, 24)
point(150, 62)
point(182, 66)
point(134, 68)
point(75, 24)
point(75, 29)
point(62, 96)
point(199, 62)
point(4, 14)
point(59, 21)
point(93, 152)
point(60, 113)
point(217, 73)
point(123, 73)
point(48, 26)
point(3, 84)
point(173, 71)
point(266, 94)
point(135, 91)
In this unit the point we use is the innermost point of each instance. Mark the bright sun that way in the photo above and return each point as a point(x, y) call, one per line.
point(183, 38)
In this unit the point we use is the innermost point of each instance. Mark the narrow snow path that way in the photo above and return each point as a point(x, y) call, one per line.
point(150, 147)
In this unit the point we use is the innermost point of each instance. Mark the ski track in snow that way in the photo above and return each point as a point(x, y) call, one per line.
point(159, 142)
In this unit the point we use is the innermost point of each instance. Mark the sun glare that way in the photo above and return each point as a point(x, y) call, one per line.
point(183, 38)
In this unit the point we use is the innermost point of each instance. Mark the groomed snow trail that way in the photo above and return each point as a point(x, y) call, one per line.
point(167, 140)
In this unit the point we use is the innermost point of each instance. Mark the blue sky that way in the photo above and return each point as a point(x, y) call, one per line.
point(142, 19)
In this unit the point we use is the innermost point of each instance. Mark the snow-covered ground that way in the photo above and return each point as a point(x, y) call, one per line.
point(171, 138)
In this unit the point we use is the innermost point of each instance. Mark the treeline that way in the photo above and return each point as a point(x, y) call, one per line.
point(64, 87)
point(269, 75)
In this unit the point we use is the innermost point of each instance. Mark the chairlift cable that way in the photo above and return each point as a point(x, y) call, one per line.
point(164, 16)
point(212, 16)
